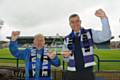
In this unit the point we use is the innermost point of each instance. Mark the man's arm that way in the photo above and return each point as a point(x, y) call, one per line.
point(105, 34)
point(66, 52)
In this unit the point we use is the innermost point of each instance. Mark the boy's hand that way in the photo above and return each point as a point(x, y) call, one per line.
point(15, 35)
point(51, 55)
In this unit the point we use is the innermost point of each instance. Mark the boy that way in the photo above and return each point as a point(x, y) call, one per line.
point(37, 59)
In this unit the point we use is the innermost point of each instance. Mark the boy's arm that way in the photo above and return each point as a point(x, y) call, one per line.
point(55, 61)
point(20, 54)
point(13, 46)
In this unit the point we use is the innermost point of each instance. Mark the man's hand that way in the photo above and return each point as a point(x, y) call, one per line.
point(67, 53)
point(15, 35)
point(100, 13)
point(51, 55)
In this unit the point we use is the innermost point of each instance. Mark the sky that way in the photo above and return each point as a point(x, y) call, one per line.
point(50, 17)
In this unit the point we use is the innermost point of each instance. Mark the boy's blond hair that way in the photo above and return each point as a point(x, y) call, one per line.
point(39, 36)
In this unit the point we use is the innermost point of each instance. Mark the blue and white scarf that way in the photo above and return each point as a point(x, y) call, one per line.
point(42, 59)
point(86, 42)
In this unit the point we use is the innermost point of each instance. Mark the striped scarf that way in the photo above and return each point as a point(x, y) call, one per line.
point(86, 43)
point(39, 59)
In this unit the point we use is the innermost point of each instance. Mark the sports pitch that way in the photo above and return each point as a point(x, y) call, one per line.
point(104, 54)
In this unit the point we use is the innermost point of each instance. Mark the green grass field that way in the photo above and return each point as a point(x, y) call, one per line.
point(102, 53)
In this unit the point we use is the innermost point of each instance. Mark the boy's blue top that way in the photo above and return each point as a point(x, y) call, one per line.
point(25, 55)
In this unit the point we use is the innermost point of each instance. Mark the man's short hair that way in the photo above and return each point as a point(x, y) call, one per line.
point(73, 15)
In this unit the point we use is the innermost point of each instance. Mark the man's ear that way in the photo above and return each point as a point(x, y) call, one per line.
point(69, 23)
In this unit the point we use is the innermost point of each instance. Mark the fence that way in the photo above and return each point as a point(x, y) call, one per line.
point(107, 75)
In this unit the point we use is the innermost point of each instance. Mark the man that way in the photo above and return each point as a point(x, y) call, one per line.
point(78, 47)
point(37, 59)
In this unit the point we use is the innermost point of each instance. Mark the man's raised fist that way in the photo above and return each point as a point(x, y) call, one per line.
point(100, 13)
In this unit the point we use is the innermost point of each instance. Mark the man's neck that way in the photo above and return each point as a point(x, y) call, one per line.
point(78, 31)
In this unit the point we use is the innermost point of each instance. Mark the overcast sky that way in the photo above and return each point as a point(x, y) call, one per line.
point(51, 16)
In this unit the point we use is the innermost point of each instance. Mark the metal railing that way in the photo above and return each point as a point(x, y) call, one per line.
point(99, 61)
point(17, 61)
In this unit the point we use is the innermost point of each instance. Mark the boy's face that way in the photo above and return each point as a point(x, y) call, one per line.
point(39, 42)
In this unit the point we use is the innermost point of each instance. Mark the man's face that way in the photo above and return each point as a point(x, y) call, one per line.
point(38, 42)
point(75, 23)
